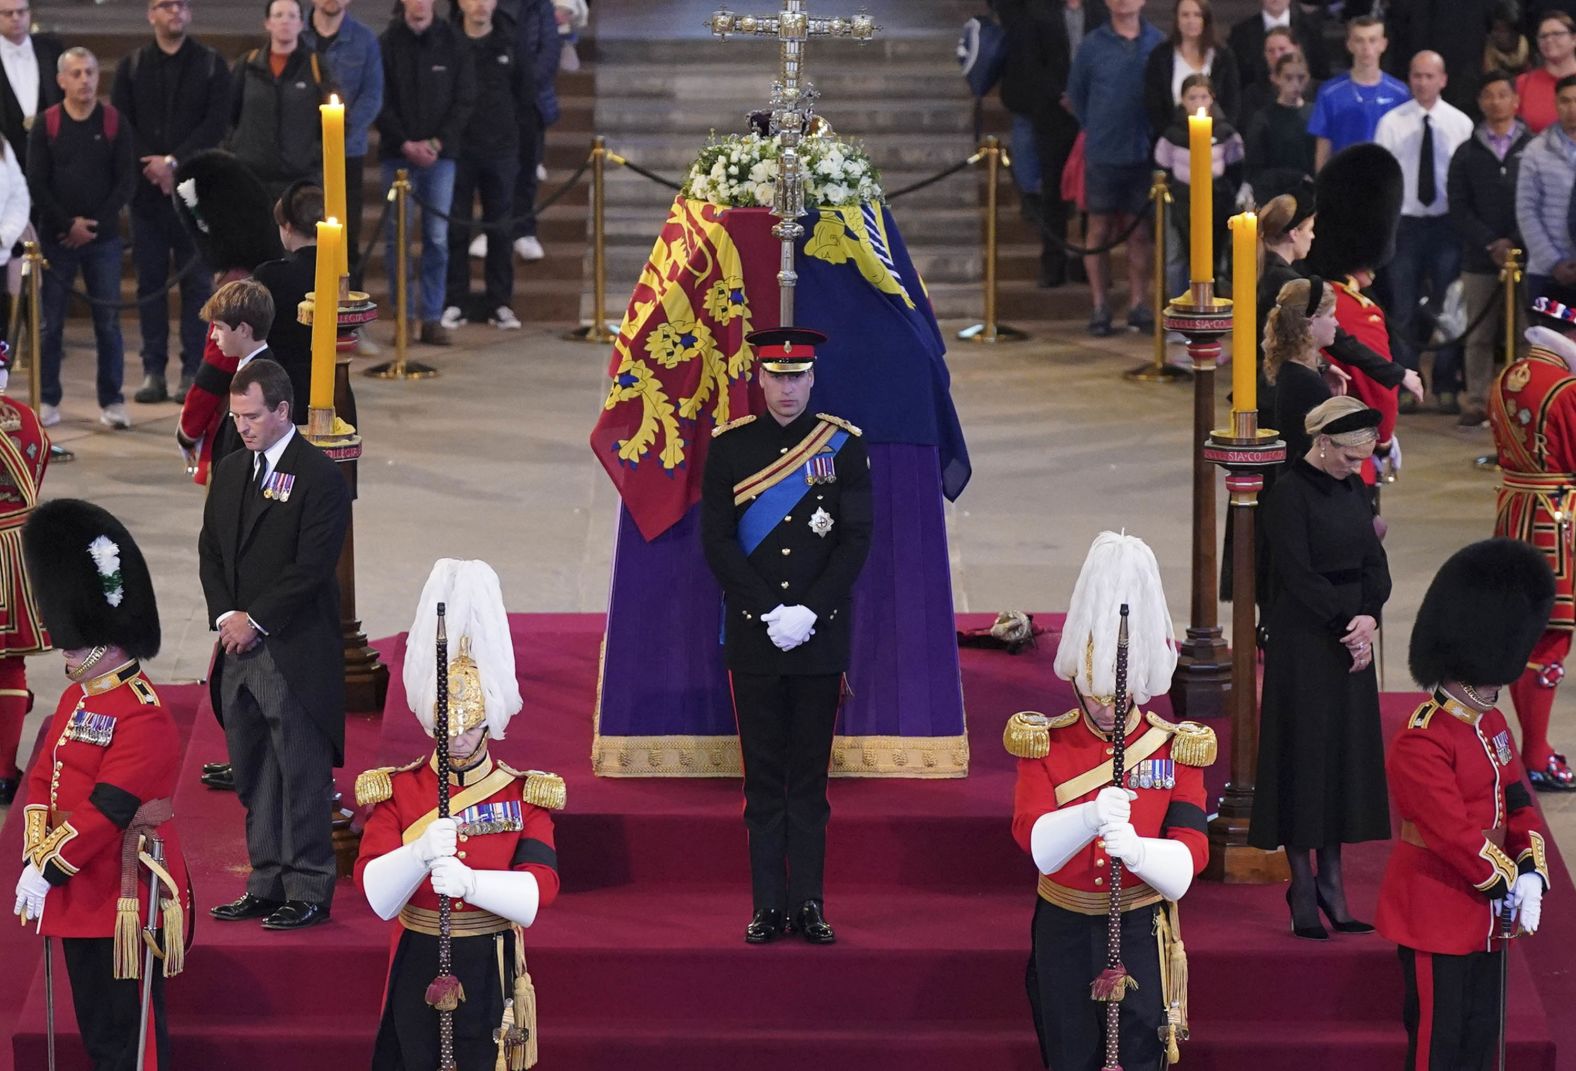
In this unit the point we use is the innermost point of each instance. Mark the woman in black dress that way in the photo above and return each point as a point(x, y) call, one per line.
point(1321, 780)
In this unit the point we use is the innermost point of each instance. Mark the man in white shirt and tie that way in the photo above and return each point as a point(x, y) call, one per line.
point(1422, 135)
point(29, 63)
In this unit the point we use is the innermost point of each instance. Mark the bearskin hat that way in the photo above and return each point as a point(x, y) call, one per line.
point(227, 211)
point(1486, 607)
point(90, 579)
point(1359, 204)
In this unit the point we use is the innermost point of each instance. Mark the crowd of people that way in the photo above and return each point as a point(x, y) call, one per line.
point(460, 100)
point(1471, 105)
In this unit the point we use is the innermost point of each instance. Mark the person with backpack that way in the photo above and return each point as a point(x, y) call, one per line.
point(80, 173)
point(275, 127)
point(174, 94)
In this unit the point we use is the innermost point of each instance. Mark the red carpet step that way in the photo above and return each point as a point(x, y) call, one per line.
point(640, 962)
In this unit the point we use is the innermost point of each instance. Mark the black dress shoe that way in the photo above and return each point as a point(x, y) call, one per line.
point(812, 923)
point(223, 778)
point(8, 787)
point(767, 925)
point(296, 915)
point(247, 907)
point(214, 767)
point(1342, 925)
point(1307, 933)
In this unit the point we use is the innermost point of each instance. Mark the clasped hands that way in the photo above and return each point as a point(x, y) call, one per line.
point(1109, 815)
point(789, 626)
point(1359, 641)
point(237, 634)
point(436, 848)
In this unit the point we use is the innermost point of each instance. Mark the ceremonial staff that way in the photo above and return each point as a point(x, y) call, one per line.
point(445, 992)
point(1113, 982)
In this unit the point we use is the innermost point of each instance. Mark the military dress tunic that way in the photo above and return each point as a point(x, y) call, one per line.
point(24, 454)
point(1064, 762)
point(505, 823)
point(1364, 320)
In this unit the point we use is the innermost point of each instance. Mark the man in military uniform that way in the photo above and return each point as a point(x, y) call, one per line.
point(1079, 827)
point(494, 858)
point(785, 524)
point(24, 453)
point(1470, 866)
point(98, 800)
point(1532, 412)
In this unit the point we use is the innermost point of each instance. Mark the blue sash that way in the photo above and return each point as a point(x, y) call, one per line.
point(778, 501)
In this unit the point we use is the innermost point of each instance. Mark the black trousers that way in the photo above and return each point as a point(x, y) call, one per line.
point(492, 178)
point(1055, 131)
point(533, 150)
point(408, 1034)
point(109, 1010)
point(1451, 1010)
point(1069, 951)
point(785, 734)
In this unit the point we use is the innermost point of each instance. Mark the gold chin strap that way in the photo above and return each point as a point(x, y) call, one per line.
point(1098, 700)
point(85, 670)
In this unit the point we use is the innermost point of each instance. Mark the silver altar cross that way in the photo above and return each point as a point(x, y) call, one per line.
point(793, 107)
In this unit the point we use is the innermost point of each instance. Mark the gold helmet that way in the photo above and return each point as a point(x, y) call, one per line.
point(481, 683)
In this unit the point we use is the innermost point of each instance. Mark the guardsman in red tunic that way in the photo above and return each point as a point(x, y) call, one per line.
point(1471, 858)
point(97, 821)
point(1364, 320)
point(494, 857)
point(1532, 411)
point(1077, 825)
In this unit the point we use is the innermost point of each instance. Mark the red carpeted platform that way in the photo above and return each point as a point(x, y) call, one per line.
point(640, 962)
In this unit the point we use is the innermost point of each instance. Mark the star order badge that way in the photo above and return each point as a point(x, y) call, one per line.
point(821, 522)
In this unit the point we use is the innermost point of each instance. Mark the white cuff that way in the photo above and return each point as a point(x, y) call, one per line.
point(390, 879)
point(1058, 836)
point(1168, 866)
point(511, 893)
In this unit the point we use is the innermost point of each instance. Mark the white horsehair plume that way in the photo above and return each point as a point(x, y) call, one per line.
point(473, 608)
point(1118, 569)
point(1549, 339)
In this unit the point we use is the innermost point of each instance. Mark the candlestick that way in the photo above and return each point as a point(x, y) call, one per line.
point(334, 206)
point(1245, 320)
point(325, 313)
point(1201, 203)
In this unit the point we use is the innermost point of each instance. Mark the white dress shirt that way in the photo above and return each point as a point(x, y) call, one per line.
point(269, 459)
point(15, 203)
point(1180, 71)
point(1401, 131)
point(1272, 21)
point(21, 70)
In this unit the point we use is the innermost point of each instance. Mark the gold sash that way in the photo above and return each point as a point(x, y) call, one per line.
point(1089, 780)
point(494, 782)
point(784, 466)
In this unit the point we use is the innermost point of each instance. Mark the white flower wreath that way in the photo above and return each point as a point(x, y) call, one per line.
point(106, 559)
point(741, 170)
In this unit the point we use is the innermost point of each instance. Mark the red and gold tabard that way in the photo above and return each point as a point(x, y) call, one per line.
point(111, 759)
point(24, 454)
point(504, 819)
point(1532, 411)
point(1365, 321)
point(1065, 761)
point(1468, 828)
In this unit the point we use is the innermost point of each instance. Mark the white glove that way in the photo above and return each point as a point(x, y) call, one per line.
point(789, 626)
point(1057, 836)
point(1123, 843)
point(1526, 897)
point(1392, 457)
point(1113, 805)
point(1245, 201)
point(438, 840)
point(450, 877)
point(31, 889)
point(1165, 864)
point(391, 878)
point(513, 894)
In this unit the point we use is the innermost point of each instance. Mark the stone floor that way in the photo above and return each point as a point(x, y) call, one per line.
point(490, 460)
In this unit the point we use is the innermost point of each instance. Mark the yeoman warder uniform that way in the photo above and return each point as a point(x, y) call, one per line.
point(785, 524)
point(494, 857)
point(99, 796)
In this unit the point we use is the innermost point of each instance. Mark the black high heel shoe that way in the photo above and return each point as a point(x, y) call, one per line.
point(1349, 926)
point(1307, 933)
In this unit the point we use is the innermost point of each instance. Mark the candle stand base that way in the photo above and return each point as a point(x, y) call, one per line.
point(598, 333)
point(1150, 372)
point(397, 369)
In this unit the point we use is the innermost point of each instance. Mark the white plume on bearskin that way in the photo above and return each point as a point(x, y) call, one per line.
point(1119, 569)
point(473, 608)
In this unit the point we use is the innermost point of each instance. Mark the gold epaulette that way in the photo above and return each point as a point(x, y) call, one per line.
point(840, 422)
point(542, 789)
point(1423, 715)
point(737, 422)
point(1028, 733)
point(375, 786)
point(1192, 744)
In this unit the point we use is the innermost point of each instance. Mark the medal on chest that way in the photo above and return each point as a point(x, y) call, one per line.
point(822, 468)
point(1153, 773)
point(277, 486)
point(483, 818)
point(1502, 746)
point(821, 522)
point(89, 728)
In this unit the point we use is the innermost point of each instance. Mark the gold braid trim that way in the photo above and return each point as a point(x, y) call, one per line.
point(1192, 744)
point(1503, 867)
point(1538, 854)
point(839, 421)
point(1027, 735)
point(542, 789)
point(48, 850)
point(738, 422)
point(35, 825)
point(375, 786)
point(1083, 902)
point(461, 923)
point(1173, 978)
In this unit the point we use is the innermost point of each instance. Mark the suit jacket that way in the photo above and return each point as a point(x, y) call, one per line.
point(280, 568)
point(47, 48)
point(1038, 56)
point(1247, 43)
point(289, 280)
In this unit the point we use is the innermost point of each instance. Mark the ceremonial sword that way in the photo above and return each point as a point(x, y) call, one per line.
point(150, 936)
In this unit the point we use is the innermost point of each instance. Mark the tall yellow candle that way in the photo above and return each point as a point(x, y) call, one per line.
point(1245, 318)
point(325, 313)
point(1201, 204)
point(334, 206)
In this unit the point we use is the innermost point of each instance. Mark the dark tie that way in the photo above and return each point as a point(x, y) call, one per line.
point(252, 502)
point(1427, 190)
point(260, 473)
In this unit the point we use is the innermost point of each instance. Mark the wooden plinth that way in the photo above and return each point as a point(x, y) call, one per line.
point(1231, 858)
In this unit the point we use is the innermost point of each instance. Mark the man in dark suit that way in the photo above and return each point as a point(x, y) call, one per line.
point(785, 524)
point(1247, 40)
point(29, 85)
point(272, 532)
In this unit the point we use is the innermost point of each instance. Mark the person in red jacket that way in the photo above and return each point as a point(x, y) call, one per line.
point(1079, 828)
point(98, 799)
point(24, 454)
point(494, 858)
point(1532, 413)
point(1470, 866)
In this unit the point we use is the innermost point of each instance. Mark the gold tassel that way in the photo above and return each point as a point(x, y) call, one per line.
point(1193, 744)
point(174, 937)
point(1173, 978)
point(1027, 735)
point(525, 1019)
point(128, 939)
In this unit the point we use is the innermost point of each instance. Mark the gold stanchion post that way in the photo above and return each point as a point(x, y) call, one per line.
point(598, 330)
point(33, 265)
point(1157, 370)
point(1510, 274)
point(399, 367)
point(990, 331)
